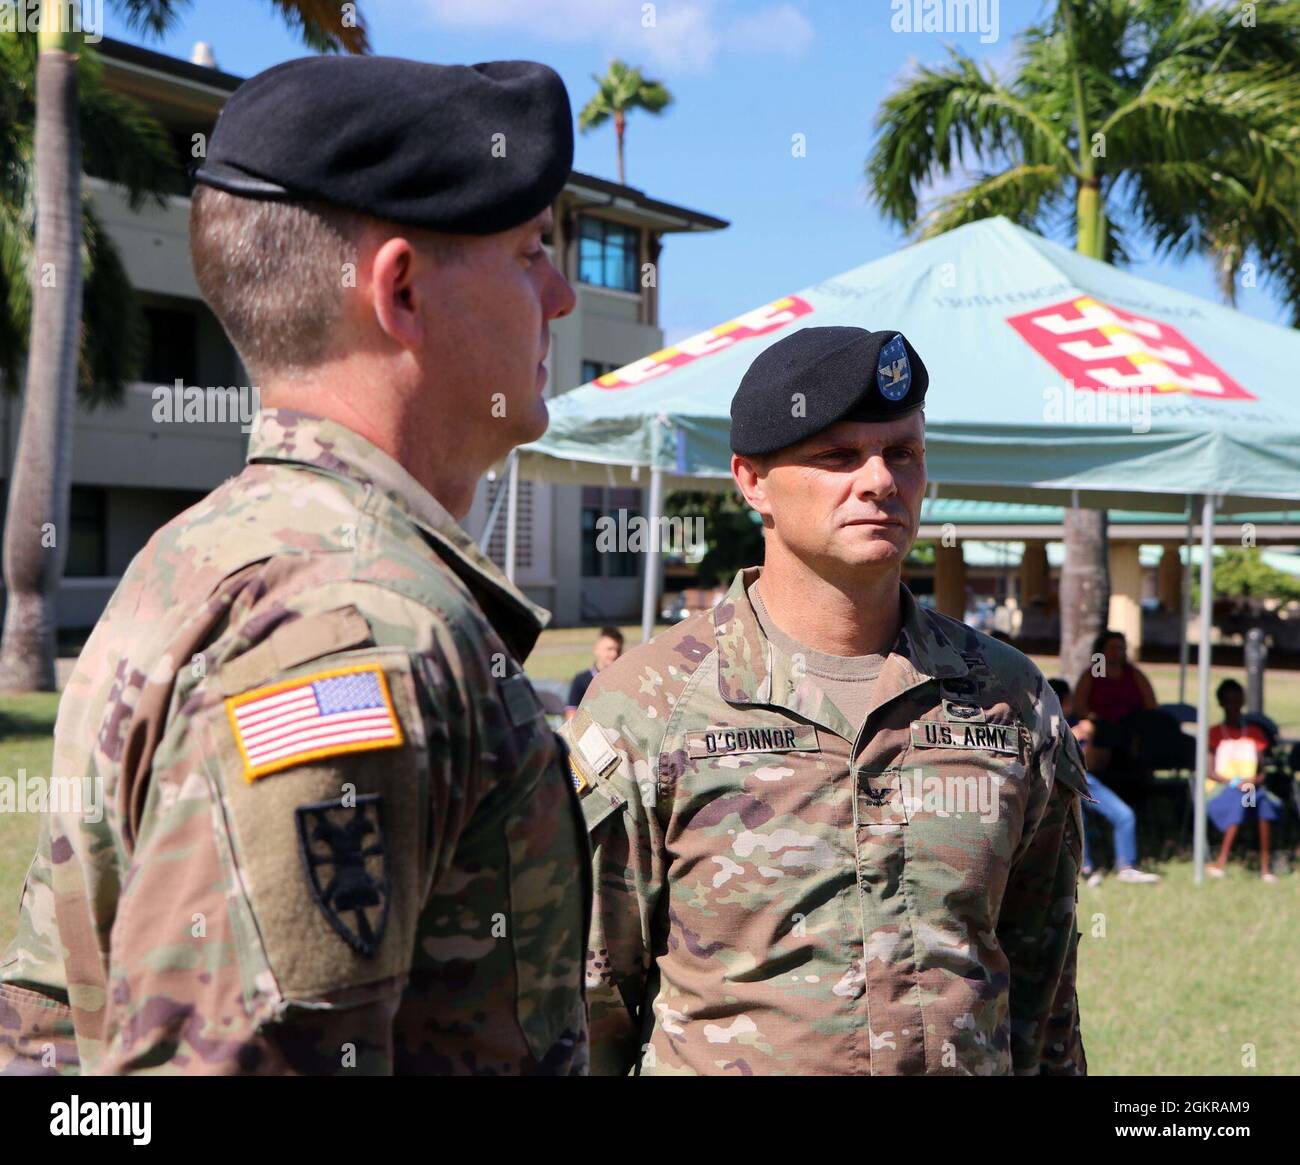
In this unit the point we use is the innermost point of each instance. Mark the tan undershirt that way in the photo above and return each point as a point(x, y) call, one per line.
point(846, 679)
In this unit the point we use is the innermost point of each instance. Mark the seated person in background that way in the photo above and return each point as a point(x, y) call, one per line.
point(1108, 804)
point(608, 647)
point(1118, 694)
point(1235, 790)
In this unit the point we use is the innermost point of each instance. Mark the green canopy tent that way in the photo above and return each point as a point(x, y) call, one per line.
point(1053, 378)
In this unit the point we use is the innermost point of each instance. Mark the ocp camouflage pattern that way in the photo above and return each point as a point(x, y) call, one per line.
point(827, 901)
point(182, 933)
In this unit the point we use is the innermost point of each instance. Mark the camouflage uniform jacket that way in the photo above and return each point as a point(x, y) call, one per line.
point(397, 881)
point(777, 893)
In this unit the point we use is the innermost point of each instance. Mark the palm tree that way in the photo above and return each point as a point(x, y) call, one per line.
point(124, 143)
point(1162, 119)
point(619, 91)
point(44, 282)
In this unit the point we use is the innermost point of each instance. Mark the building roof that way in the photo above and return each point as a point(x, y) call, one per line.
point(133, 64)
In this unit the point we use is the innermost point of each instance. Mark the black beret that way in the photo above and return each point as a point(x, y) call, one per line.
point(464, 149)
point(838, 374)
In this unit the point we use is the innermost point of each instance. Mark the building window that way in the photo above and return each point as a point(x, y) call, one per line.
point(608, 254)
point(608, 556)
point(171, 345)
point(591, 369)
point(88, 533)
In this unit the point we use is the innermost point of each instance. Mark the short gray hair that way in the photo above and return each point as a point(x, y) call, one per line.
point(273, 273)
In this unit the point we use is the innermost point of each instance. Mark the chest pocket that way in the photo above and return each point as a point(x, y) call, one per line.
point(965, 783)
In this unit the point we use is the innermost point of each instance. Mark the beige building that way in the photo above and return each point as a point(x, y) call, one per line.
point(997, 565)
point(138, 465)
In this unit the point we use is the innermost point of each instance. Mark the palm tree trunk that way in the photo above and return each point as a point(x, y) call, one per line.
point(620, 124)
point(1085, 588)
point(36, 522)
point(1084, 597)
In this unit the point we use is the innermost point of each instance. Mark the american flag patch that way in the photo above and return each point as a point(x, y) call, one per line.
point(344, 710)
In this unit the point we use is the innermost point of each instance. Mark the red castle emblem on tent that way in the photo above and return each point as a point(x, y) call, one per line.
point(1102, 349)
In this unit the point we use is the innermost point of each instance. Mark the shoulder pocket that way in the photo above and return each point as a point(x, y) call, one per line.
point(591, 760)
point(326, 834)
point(599, 804)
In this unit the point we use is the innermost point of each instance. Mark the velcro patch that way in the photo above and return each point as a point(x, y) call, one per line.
point(347, 709)
point(725, 741)
point(948, 734)
point(596, 751)
point(521, 705)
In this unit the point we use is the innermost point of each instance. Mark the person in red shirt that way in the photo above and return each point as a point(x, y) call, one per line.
point(1235, 789)
point(1110, 693)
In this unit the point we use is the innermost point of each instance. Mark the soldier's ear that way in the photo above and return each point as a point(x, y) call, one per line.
point(395, 292)
point(750, 475)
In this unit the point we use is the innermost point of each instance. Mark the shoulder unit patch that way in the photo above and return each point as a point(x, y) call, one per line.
point(345, 856)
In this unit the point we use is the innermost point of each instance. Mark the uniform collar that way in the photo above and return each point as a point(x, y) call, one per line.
point(299, 438)
point(752, 670)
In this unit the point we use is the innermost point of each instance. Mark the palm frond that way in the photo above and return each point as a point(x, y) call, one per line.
point(1022, 193)
point(596, 112)
point(154, 17)
point(1254, 113)
point(122, 141)
point(112, 324)
point(653, 97)
point(16, 260)
point(620, 90)
point(945, 115)
point(321, 25)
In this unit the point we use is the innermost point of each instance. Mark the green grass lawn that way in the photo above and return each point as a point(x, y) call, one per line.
point(1173, 979)
point(1176, 980)
point(26, 728)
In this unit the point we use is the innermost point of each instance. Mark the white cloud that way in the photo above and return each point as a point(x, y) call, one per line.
point(783, 29)
point(685, 35)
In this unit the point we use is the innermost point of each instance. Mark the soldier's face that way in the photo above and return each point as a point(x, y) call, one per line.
point(850, 496)
point(491, 309)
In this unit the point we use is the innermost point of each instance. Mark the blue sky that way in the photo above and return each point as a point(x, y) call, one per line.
point(747, 75)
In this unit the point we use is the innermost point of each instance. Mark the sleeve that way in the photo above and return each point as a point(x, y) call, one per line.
point(270, 905)
point(575, 691)
point(1037, 927)
point(37, 1037)
point(617, 788)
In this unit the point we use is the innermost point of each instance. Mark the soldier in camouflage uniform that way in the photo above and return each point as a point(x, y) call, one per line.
point(808, 862)
point(338, 835)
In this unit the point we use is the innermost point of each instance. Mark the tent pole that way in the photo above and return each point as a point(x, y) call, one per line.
point(1203, 658)
point(1185, 621)
point(512, 517)
point(650, 588)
